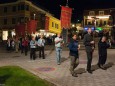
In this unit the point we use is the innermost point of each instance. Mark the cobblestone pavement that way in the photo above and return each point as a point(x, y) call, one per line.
point(60, 74)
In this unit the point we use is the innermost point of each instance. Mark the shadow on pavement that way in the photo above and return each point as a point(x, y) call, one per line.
point(94, 67)
point(80, 71)
point(108, 65)
point(63, 59)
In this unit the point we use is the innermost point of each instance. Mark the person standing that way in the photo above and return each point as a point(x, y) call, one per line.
point(89, 45)
point(41, 43)
point(8, 45)
point(26, 45)
point(102, 49)
point(33, 44)
point(16, 44)
point(22, 45)
point(58, 46)
point(74, 54)
point(13, 45)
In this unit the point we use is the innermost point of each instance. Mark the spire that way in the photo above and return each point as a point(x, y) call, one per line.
point(67, 4)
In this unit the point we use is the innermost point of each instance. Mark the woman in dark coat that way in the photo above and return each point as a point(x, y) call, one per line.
point(102, 49)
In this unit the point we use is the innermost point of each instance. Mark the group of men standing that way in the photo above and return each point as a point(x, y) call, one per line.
point(89, 43)
point(33, 45)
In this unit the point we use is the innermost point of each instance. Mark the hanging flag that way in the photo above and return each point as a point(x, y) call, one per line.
point(31, 26)
point(66, 13)
point(47, 23)
point(20, 29)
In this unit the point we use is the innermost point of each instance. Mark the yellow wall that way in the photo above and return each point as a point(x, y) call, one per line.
point(56, 27)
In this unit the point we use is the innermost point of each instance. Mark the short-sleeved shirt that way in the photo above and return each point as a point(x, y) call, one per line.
point(59, 43)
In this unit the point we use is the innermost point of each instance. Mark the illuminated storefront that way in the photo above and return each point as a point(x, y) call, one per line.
point(5, 35)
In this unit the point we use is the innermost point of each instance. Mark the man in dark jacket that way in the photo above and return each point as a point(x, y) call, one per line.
point(102, 49)
point(89, 45)
point(74, 55)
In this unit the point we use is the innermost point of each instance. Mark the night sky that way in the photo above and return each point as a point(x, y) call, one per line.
point(53, 6)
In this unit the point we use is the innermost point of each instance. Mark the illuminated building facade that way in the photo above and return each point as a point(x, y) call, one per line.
point(98, 18)
point(19, 12)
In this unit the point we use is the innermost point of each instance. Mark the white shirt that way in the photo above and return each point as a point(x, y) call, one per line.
point(59, 43)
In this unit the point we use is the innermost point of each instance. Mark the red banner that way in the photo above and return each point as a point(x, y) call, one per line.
point(66, 13)
point(31, 26)
point(47, 23)
point(20, 30)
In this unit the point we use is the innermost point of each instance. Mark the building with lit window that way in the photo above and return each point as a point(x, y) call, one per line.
point(54, 24)
point(98, 18)
point(19, 12)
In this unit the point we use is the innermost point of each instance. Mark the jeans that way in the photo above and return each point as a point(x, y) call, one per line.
point(58, 54)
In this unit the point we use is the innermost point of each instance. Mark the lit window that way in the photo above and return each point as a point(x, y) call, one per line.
point(101, 12)
point(52, 24)
point(57, 26)
point(91, 13)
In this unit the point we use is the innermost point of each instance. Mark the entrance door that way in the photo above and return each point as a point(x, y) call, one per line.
point(5, 35)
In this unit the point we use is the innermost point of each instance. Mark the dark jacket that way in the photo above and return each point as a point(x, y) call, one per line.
point(73, 47)
point(102, 48)
point(87, 39)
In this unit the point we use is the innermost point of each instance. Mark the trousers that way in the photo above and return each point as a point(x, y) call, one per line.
point(89, 60)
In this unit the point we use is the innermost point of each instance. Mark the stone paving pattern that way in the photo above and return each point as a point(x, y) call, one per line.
point(61, 75)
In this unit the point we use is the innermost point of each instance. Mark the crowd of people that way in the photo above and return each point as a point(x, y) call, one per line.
point(29, 43)
point(74, 48)
point(32, 43)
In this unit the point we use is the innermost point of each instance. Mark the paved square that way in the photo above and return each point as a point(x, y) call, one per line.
point(60, 74)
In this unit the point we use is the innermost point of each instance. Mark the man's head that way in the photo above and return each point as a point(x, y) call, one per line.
point(41, 36)
point(33, 38)
point(74, 36)
point(103, 39)
point(59, 35)
point(89, 30)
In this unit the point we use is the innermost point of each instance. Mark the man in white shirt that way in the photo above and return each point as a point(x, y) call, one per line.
point(58, 45)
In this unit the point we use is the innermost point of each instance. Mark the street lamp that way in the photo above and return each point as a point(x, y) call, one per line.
point(73, 25)
point(78, 21)
point(34, 16)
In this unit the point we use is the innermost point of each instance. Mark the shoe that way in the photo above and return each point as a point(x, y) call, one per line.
point(89, 71)
point(74, 75)
point(98, 65)
point(102, 67)
point(58, 63)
